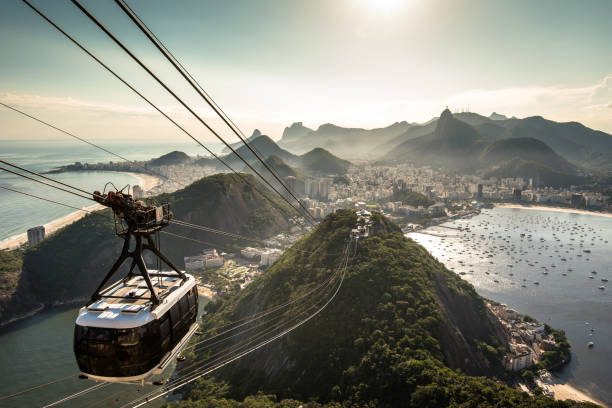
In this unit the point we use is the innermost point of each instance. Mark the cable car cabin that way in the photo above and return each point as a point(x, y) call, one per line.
point(124, 337)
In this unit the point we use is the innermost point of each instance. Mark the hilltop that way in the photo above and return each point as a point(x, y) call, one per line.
point(265, 147)
point(170, 159)
point(317, 162)
point(453, 144)
point(321, 162)
point(70, 263)
point(402, 331)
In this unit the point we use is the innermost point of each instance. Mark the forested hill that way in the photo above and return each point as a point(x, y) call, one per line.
point(69, 264)
point(401, 332)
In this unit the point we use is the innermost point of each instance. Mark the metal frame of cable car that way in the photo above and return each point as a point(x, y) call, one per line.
point(134, 220)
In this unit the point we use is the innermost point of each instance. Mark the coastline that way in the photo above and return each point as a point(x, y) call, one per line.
point(16, 241)
point(555, 209)
point(146, 182)
point(560, 390)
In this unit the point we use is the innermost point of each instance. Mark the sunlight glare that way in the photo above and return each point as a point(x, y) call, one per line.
point(384, 6)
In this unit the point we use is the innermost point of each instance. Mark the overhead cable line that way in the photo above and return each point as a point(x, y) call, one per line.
point(152, 397)
point(195, 81)
point(77, 394)
point(37, 386)
point(82, 140)
point(176, 222)
point(171, 92)
point(86, 51)
point(45, 183)
point(198, 88)
point(207, 365)
point(54, 202)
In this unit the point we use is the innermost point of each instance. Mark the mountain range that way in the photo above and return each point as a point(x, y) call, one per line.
point(583, 147)
point(347, 143)
point(473, 144)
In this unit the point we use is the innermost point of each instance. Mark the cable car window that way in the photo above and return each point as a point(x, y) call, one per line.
point(99, 334)
point(184, 306)
point(128, 337)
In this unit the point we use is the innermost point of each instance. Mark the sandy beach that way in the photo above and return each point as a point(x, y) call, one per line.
point(555, 209)
point(51, 227)
point(146, 181)
point(563, 391)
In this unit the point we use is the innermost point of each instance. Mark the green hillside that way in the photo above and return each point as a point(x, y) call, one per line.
point(319, 161)
point(412, 198)
point(403, 331)
point(542, 175)
point(169, 159)
point(528, 149)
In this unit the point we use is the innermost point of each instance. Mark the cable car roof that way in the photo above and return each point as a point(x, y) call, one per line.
point(130, 307)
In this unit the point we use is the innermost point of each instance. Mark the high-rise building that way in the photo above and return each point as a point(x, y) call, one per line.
point(36, 234)
point(324, 189)
point(137, 192)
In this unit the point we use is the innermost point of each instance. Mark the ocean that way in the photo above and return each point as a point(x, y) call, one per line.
point(19, 212)
point(507, 250)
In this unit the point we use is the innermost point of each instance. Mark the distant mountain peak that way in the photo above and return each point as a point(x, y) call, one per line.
point(497, 116)
point(446, 114)
point(255, 135)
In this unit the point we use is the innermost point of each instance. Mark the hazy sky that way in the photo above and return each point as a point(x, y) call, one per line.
point(360, 63)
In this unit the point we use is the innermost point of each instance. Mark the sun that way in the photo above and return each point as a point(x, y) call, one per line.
point(384, 6)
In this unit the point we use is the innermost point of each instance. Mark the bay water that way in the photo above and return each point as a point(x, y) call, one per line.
point(547, 264)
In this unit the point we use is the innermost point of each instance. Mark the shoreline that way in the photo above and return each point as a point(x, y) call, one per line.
point(145, 181)
point(51, 227)
point(560, 390)
point(554, 209)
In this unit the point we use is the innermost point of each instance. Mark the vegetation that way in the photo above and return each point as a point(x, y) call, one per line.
point(555, 359)
point(396, 334)
point(10, 261)
point(412, 198)
point(542, 174)
point(169, 159)
point(528, 149)
point(342, 180)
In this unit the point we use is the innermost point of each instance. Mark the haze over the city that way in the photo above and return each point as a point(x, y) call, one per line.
point(359, 63)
